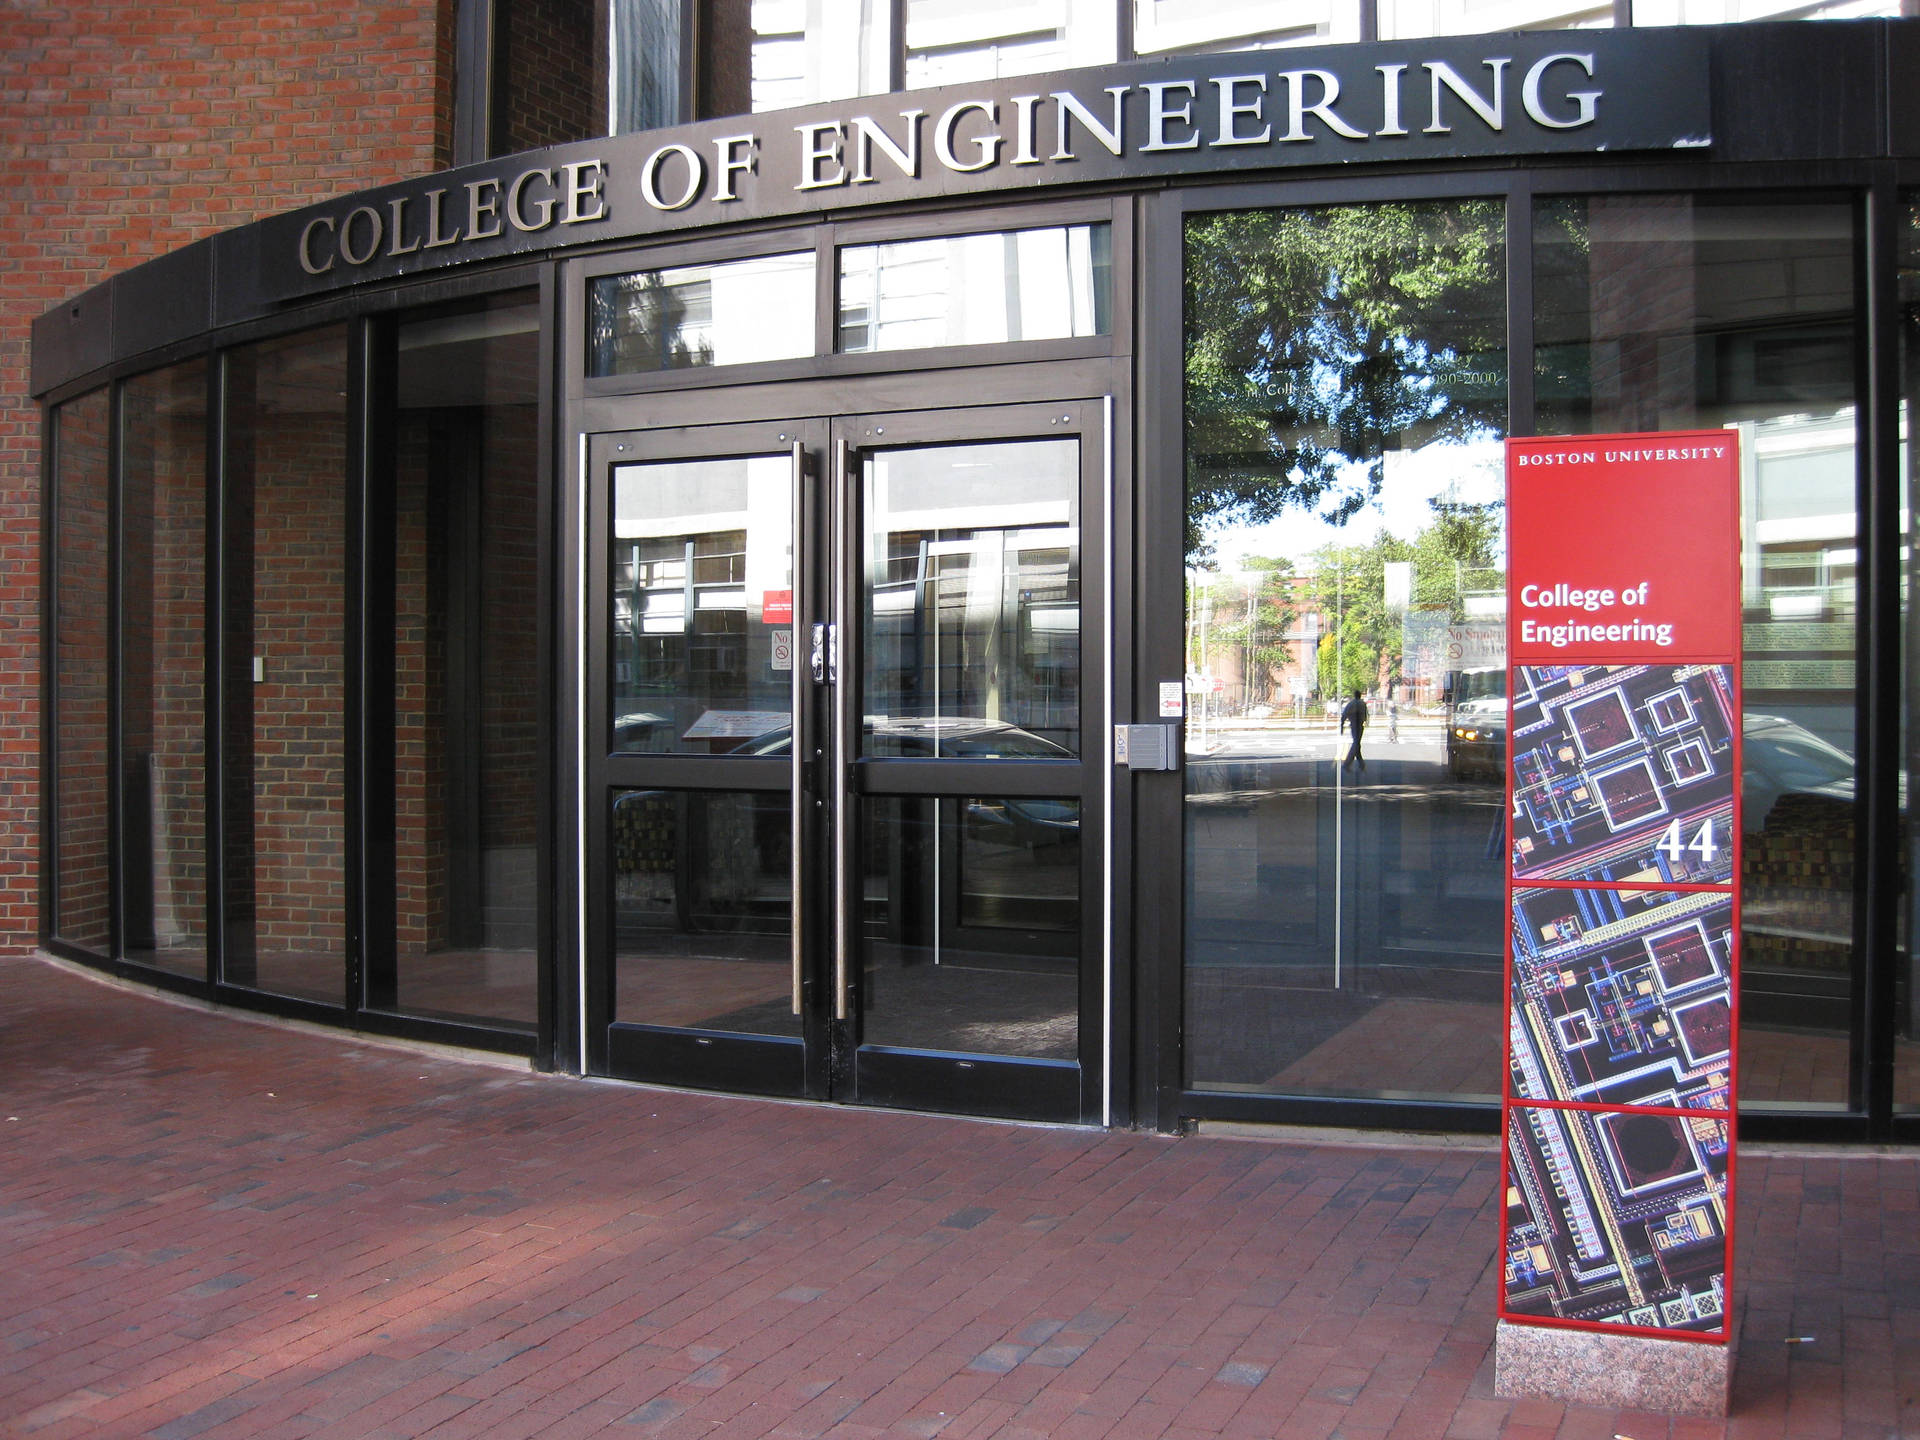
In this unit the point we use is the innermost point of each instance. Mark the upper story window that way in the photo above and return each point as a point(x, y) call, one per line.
point(1199, 27)
point(542, 72)
point(1416, 19)
point(771, 54)
point(950, 42)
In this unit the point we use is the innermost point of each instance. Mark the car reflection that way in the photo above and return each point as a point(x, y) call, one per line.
point(1029, 820)
point(1477, 738)
point(1782, 759)
point(933, 738)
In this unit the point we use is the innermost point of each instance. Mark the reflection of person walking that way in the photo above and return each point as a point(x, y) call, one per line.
point(1354, 717)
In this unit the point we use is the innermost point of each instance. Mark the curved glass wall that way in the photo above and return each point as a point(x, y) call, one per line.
point(1346, 393)
point(1679, 312)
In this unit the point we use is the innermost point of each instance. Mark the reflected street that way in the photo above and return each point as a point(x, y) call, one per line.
point(1334, 917)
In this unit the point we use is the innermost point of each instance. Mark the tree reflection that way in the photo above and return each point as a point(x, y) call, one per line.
point(645, 321)
point(1318, 340)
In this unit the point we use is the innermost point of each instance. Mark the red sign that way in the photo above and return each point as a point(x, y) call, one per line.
point(1624, 547)
point(1623, 915)
point(776, 607)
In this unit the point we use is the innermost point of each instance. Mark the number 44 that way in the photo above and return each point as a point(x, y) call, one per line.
point(1702, 845)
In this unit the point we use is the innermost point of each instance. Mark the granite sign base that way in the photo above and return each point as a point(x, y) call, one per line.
point(1620, 1372)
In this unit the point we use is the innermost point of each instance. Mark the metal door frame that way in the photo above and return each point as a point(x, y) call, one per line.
point(885, 1077)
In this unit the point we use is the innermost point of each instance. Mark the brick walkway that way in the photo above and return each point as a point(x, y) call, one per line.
point(211, 1227)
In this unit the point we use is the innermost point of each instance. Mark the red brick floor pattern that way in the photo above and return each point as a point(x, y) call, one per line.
point(218, 1228)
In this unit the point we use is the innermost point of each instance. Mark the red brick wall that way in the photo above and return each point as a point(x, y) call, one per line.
point(131, 129)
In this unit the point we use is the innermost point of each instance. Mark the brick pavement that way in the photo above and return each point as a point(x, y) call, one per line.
point(215, 1228)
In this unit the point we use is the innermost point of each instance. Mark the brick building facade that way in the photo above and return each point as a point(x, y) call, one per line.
point(450, 561)
point(130, 131)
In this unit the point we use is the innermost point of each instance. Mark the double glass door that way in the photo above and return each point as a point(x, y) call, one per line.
point(842, 746)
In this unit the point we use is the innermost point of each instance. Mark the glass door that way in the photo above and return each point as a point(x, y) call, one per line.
point(695, 923)
point(842, 763)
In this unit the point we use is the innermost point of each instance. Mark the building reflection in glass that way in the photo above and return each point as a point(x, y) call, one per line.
point(1346, 399)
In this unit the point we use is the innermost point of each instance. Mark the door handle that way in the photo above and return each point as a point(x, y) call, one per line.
point(817, 653)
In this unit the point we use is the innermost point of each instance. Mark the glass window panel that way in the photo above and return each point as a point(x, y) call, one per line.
point(550, 76)
point(466, 673)
point(771, 54)
point(163, 696)
point(1906, 1067)
point(728, 314)
point(285, 637)
point(951, 42)
point(702, 606)
point(1415, 19)
point(1721, 12)
point(82, 894)
point(1050, 284)
point(644, 43)
point(1202, 27)
point(972, 613)
point(702, 896)
point(1680, 312)
point(970, 914)
point(1346, 396)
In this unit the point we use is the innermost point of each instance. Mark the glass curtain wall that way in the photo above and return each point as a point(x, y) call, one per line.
point(1676, 312)
point(1346, 380)
point(285, 659)
point(466, 680)
point(82, 898)
point(163, 668)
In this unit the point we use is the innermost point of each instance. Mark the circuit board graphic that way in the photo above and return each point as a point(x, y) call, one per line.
point(1617, 1217)
point(1622, 997)
point(1624, 773)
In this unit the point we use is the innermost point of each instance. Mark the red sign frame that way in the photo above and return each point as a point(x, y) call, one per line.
point(1622, 918)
